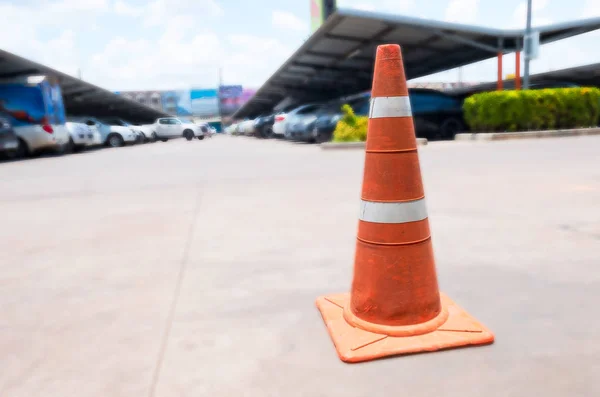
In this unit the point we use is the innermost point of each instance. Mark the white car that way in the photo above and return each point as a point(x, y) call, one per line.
point(110, 135)
point(246, 127)
point(279, 124)
point(129, 132)
point(171, 128)
point(81, 135)
point(147, 132)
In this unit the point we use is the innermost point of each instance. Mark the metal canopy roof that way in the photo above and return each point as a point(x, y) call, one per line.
point(587, 75)
point(338, 58)
point(81, 98)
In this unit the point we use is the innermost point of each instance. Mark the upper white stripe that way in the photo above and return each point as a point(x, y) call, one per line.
point(390, 106)
point(410, 211)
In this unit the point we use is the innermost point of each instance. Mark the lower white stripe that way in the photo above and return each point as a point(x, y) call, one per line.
point(390, 106)
point(410, 211)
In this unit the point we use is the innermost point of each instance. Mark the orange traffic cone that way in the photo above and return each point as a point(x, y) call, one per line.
point(394, 306)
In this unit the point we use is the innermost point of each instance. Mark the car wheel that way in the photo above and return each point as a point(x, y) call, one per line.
point(67, 148)
point(449, 128)
point(201, 137)
point(269, 132)
point(143, 138)
point(163, 139)
point(22, 149)
point(153, 137)
point(188, 134)
point(322, 137)
point(115, 140)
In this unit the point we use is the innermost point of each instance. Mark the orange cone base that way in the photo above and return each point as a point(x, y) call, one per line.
point(355, 344)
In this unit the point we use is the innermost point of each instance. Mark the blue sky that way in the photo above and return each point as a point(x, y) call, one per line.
point(163, 44)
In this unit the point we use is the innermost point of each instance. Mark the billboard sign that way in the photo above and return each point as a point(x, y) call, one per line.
point(229, 98)
point(320, 10)
point(204, 102)
point(232, 97)
point(316, 14)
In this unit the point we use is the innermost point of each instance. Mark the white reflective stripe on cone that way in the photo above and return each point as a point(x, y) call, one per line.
point(410, 211)
point(390, 106)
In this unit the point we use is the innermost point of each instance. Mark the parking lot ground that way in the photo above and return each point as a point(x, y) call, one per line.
point(191, 269)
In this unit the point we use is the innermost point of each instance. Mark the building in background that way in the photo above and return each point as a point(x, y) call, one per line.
point(199, 103)
point(177, 102)
point(148, 98)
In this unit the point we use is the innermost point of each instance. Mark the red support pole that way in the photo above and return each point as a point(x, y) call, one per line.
point(518, 70)
point(500, 85)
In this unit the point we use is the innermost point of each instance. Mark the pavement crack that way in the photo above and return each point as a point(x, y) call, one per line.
point(176, 293)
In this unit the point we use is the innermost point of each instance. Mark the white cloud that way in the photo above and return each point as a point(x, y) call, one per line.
point(159, 12)
point(174, 61)
point(58, 50)
point(384, 6)
point(287, 20)
point(591, 9)
point(364, 7)
point(539, 15)
point(255, 69)
point(122, 8)
point(462, 11)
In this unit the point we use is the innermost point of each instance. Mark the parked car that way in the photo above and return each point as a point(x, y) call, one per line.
point(278, 129)
point(436, 115)
point(207, 130)
point(329, 115)
point(110, 135)
point(552, 84)
point(35, 109)
point(246, 127)
point(9, 141)
point(122, 126)
point(81, 135)
point(171, 128)
point(283, 120)
point(300, 122)
point(145, 130)
point(263, 126)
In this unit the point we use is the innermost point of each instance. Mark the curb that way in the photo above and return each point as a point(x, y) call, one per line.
point(504, 136)
point(357, 145)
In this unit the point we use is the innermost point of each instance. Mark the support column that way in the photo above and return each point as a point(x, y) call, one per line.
point(500, 85)
point(518, 70)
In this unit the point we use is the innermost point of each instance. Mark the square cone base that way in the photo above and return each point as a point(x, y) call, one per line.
point(355, 345)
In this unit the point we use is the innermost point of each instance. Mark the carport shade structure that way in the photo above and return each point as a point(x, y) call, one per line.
point(81, 98)
point(337, 60)
point(586, 75)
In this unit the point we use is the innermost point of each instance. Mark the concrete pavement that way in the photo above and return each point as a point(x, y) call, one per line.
point(191, 269)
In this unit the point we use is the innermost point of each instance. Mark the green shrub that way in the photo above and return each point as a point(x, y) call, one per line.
point(557, 108)
point(350, 128)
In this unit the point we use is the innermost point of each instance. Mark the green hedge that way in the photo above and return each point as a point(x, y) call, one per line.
point(547, 109)
point(350, 128)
